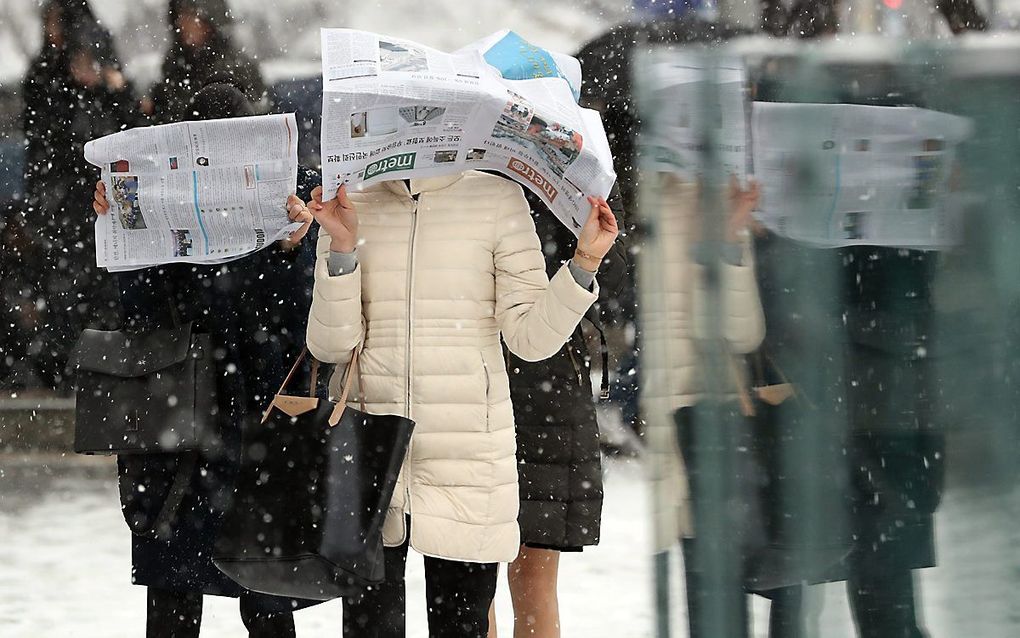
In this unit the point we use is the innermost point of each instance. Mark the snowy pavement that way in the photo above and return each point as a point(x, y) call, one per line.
point(65, 566)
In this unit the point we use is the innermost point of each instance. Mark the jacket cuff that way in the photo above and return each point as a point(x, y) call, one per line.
point(571, 294)
point(333, 289)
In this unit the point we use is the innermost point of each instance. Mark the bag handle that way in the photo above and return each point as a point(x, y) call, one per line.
point(347, 381)
point(352, 368)
point(760, 358)
point(743, 394)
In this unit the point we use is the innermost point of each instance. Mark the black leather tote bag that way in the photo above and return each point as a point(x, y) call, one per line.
point(316, 480)
point(140, 393)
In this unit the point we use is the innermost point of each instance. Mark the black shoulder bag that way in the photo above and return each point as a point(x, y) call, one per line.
point(149, 397)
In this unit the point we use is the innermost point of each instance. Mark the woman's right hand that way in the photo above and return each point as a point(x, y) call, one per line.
point(100, 205)
point(338, 218)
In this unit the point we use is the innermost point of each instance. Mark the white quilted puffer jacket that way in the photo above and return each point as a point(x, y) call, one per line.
point(442, 271)
point(672, 316)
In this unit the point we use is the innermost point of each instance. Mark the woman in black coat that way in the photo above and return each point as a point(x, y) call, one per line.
point(73, 92)
point(201, 50)
point(896, 449)
point(558, 459)
point(256, 325)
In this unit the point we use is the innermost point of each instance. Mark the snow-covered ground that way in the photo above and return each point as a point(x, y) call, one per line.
point(65, 567)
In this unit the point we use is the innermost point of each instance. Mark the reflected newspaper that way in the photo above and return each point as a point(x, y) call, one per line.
point(198, 192)
point(842, 174)
point(696, 100)
point(395, 109)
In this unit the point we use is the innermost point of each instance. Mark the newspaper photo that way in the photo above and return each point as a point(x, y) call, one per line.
point(696, 100)
point(395, 109)
point(842, 174)
point(197, 192)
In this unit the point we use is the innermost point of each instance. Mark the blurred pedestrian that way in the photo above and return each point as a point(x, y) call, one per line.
point(74, 92)
point(254, 309)
point(896, 449)
point(673, 380)
point(201, 48)
point(426, 298)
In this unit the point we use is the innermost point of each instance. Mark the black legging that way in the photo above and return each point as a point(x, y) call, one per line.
point(458, 595)
point(179, 615)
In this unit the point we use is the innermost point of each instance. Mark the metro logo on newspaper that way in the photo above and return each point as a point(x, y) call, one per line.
point(402, 162)
point(533, 176)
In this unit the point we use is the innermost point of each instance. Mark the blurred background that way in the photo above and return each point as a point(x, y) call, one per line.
point(882, 488)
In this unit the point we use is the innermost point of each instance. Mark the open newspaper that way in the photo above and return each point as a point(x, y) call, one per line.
point(395, 109)
point(198, 192)
point(843, 174)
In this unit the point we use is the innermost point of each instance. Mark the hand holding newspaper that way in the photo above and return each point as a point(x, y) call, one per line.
point(198, 192)
point(395, 109)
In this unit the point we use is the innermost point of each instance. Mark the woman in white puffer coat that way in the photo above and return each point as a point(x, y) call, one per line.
point(423, 276)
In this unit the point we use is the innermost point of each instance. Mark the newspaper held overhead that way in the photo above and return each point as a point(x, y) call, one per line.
point(395, 109)
point(842, 174)
point(198, 192)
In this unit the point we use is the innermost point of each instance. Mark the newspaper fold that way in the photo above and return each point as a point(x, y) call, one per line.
point(198, 192)
point(396, 109)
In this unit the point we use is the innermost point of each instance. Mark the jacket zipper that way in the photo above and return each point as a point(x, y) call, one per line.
point(410, 344)
point(410, 297)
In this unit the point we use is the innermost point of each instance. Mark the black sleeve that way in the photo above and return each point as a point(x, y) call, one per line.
point(307, 180)
point(613, 273)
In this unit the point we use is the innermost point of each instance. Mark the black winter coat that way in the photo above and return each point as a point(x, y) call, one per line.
point(59, 118)
point(255, 310)
point(187, 70)
point(559, 463)
point(896, 448)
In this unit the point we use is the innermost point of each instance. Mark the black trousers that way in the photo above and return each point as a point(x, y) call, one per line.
point(458, 595)
point(179, 615)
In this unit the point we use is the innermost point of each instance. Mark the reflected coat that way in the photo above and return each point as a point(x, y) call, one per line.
point(673, 320)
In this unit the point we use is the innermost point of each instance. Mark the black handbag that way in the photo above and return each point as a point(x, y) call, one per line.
point(140, 393)
point(315, 482)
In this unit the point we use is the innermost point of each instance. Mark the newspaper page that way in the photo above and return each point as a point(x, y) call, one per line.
point(685, 122)
point(197, 192)
point(395, 109)
point(841, 174)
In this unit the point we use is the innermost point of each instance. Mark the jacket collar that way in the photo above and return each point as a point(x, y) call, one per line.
point(424, 185)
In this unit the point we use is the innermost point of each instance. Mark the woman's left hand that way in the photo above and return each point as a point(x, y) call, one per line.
point(597, 236)
point(297, 211)
point(742, 202)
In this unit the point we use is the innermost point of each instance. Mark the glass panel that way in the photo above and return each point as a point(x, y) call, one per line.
point(830, 393)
